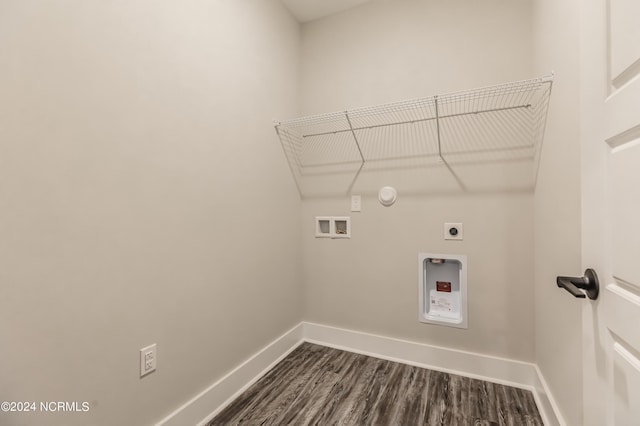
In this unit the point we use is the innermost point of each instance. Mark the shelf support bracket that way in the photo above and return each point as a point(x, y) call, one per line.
point(355, 139)
point(276, 125)
point(453, 173)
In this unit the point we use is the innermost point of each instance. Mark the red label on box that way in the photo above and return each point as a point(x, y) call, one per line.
point(443, 286)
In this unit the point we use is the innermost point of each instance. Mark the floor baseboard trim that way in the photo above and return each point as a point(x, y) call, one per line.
point(493, 369)
point(204, 406)
point(212, 400)
point(484, 367)
point(546, 403)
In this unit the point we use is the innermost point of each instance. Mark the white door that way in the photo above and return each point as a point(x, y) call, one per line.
point(610, 136)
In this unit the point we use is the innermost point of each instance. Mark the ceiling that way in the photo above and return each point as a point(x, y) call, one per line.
point(308, 10)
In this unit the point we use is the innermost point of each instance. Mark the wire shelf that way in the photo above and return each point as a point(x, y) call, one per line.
point(473, 140)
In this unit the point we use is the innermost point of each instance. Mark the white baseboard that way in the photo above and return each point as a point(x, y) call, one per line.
point(520, 374)
point(545, 402)
point(210, 401)
point(469, 364)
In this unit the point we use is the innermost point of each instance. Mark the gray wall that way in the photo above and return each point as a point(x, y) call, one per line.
point(392, 50)
point(558, 315)
point(144, 198)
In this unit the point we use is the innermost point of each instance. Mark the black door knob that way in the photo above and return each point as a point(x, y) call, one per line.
point(589, 283)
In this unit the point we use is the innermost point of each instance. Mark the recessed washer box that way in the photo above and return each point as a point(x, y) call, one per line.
point(333, 227)
point(442, 289)
point(323, 227)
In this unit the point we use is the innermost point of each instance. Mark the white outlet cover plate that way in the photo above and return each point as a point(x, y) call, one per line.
point(356, 203)
point(459, 236)
point(148, 358)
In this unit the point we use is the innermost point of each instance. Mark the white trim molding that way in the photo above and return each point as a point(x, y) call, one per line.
point(493, 369)
point(212, 400)
point(204, 406)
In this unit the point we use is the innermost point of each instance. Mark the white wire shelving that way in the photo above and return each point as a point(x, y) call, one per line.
point(475, 140)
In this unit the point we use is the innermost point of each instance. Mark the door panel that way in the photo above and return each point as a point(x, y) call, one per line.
point(624, 49)
point(621, 119)
point(626, 381)
point(610, 90)
point(625, 211)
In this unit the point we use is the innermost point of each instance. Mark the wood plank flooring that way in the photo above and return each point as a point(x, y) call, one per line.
point(316, 385)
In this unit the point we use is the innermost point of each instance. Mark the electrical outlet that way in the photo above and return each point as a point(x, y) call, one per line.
point(148, 358)
point(453, 231)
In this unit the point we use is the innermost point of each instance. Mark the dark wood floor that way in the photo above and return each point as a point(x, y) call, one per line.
point(316, 385)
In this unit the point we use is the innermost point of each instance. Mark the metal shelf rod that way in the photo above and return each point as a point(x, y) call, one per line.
point(352, 129)
point(482, 127)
